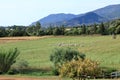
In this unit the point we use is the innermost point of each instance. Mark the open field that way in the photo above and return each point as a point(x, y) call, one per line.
point(36, 51)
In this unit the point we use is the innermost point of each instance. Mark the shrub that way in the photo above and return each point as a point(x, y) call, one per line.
point(62, 56)
point(80, 69)
point(7, 59)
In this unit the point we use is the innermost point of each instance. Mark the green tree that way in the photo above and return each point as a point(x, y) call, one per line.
point(3, 32)
point(61, 56)
point(49, 31)
point(30, 30)
point(117, 31)
point(111, 30)
point(102, 29)
point(38, 26)
point(41, 32)
point(95, 28)
point(83, 29)
point(56, 31)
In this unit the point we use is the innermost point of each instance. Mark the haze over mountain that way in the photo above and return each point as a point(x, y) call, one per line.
point(100, 15)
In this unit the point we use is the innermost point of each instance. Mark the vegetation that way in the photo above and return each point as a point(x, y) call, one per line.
point(108, 28)
point(36, 52)
point(103, 49)
point(67, 61)
point(62, 56)
point(80, 69)
point(7, 59)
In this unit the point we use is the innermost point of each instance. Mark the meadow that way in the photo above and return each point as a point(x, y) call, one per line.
point(37, 51)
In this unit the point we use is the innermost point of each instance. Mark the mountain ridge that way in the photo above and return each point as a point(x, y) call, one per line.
point(102, 14)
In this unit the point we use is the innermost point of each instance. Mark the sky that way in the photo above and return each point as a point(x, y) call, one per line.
point(24, 12)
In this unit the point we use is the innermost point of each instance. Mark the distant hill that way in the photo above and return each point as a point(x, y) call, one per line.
point(88, 18)
point(110, 12)
point(54, 18)
point(100, 15)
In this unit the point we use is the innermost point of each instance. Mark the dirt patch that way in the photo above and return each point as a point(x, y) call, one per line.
point(16, 78)
point(15, 39)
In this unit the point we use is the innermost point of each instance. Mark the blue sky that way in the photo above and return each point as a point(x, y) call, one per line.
point(24, 12)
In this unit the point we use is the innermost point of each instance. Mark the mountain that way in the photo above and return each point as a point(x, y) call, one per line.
point(54, 18)
point(100, 15)
point(110, 12)
point(88, 18)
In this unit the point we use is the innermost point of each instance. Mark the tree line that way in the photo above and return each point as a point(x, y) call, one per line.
point(108, 28)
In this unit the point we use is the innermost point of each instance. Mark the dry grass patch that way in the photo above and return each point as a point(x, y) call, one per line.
point(26, 78)
point(16, 39)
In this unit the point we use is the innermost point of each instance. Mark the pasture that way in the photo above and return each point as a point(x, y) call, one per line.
point(36, 50)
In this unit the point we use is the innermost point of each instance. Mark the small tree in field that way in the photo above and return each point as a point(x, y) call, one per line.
point(7, 59)
point(62, 56)
point(80, 69)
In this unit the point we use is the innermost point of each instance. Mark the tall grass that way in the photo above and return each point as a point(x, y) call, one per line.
point(7, 58)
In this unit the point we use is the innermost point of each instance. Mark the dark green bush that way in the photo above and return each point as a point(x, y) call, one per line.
point(61, 56)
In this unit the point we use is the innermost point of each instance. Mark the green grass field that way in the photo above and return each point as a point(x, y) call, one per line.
point(101, 48)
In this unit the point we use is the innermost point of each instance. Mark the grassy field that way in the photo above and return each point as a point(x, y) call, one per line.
point(37, 51)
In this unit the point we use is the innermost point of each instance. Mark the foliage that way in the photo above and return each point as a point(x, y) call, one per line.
point(80, 69)
point(7, 59)
point(2, 32)
point(106, 28)
point(102, 29)
point(58, 30)
point(62, 55)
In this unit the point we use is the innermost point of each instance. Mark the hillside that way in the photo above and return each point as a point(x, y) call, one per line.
point(88, 18)
point(110, 12)
point(103, 14)
point(54, 18)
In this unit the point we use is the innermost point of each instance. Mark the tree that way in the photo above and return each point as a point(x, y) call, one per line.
point(80, 69)
point(3, 32)
point(30, 30)
point(61, 56)
point(40, 32)
point(95, 28)
point(83, 29)
point(7, 59)
point(117, 31)
point(37, 28)
point(38, 25)
point(111, 30)
point(56, 31)
point(17, 31)
point(34, 30)
point(62, 30)
point(102, 29)
point(49, 31)
point(75, 31)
